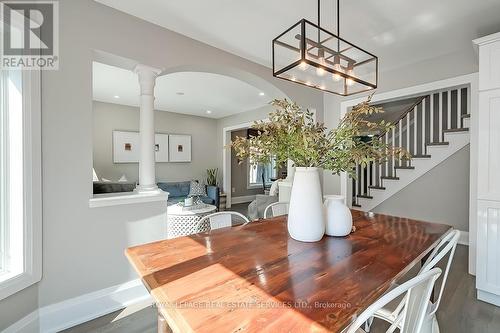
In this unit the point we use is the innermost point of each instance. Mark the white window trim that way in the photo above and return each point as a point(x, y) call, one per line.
point(32, 221)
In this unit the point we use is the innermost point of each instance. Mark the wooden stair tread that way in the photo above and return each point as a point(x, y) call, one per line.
point(356, 205)
point(389, 177)
point(421, 156)
point(365, 196)
point(437, 143)
point(404, 167)
point(376, 187)
point(467, 115)
point(455, 130)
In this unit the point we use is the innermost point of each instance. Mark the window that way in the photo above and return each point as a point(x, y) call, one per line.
point(20, 186)
point(255, 172)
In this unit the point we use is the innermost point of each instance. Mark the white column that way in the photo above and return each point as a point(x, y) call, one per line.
point(147, 180)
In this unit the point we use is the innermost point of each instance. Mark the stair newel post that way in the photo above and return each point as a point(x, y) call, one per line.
point(459, 106)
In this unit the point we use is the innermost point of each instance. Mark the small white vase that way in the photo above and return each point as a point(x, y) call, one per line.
point(337, 215)
point(306, 221)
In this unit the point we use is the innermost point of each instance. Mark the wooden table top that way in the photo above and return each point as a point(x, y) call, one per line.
point(255, 278)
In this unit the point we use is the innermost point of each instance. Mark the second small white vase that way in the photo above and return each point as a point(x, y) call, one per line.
point(338, 217)
point(305, 214)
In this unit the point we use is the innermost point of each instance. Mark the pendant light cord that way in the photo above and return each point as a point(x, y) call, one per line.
point(338, 25)
point(338, 18)
point(319, 13)
point(319, 23)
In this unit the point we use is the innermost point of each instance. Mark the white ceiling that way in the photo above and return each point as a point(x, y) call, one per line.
point(399, 32)
point(222, 95)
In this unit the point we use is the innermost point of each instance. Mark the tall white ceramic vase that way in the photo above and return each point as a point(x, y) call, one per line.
point(306, 221)
point(337, 215)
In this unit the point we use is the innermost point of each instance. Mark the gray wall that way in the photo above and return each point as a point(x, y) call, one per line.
point(109, 117)
point(441, 195)
point(83, 247)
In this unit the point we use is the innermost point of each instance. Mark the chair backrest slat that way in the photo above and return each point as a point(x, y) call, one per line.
point(221, 219)
point(447, 246)
point(418, 290)
point(277, 208)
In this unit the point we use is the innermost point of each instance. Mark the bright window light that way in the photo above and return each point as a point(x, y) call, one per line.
point(12, 178)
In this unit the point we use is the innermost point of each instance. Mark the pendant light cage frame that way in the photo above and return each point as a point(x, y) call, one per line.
point(312, 56)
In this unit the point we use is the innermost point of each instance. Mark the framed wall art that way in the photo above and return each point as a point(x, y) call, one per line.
point(126, 147)
point(179, 148)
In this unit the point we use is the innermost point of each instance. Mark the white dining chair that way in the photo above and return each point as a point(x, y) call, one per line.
point(277, 209)
point(221, 220)
point(415, 292)
point(430, 324)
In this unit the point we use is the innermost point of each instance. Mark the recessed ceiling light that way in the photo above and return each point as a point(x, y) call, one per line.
point(180, 93)
point(261, 94)
point(116, 96)
point(209, 112)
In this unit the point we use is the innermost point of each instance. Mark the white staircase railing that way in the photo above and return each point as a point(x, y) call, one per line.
point(420, 126)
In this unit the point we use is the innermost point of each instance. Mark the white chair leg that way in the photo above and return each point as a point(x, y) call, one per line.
point(435, 325)
point(368, 324)
point(428, 324)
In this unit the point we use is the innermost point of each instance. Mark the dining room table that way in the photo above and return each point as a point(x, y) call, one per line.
point(256, 278)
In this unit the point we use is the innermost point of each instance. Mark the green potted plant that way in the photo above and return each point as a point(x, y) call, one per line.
point(212, 176)
point(291, 133)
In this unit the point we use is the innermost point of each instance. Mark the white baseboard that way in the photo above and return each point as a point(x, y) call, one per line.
point(488, 297)
point(242, 199)
point(74, 311)
point(464, 238)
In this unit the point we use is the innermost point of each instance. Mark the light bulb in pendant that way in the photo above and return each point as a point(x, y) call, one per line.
point(337, 67)
point(337, 77)
point(350, 72)
point(303, 65)
point(320, 71)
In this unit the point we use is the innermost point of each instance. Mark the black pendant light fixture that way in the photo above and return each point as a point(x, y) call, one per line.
point(310, 55)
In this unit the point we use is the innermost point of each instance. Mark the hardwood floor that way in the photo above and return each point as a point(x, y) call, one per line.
point(459, 311)
point(240, 208)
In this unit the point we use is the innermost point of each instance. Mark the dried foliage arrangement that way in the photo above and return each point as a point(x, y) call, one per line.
point(292, 133)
